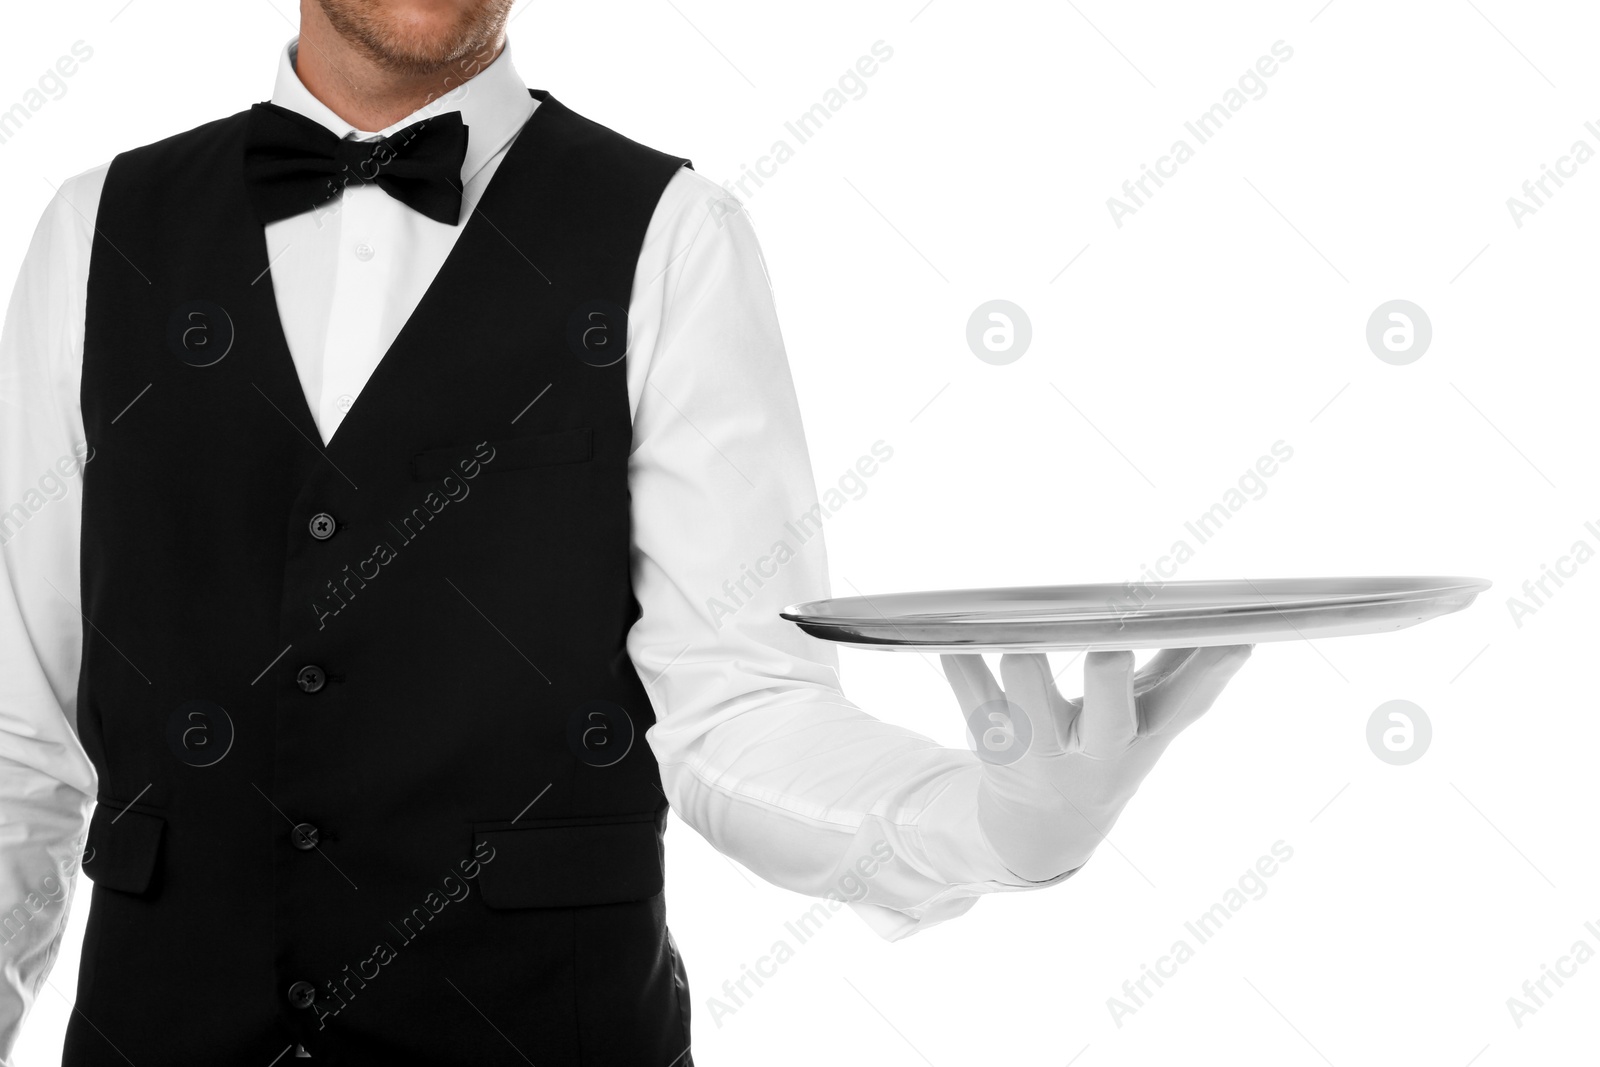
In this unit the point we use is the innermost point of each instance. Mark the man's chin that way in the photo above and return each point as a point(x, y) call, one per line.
point(418, 37)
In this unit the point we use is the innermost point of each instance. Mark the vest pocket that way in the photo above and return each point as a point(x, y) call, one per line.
point(123, 846)
point(570, 863)
point(512, 453)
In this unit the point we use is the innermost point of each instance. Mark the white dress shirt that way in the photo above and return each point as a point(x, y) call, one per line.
point(758, 748)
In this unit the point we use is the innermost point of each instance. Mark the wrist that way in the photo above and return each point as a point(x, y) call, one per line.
point(955, 846)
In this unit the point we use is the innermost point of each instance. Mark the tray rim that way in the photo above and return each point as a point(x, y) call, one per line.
point(1437, 587)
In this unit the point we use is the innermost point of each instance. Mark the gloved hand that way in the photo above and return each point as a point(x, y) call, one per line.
point(1058, 772)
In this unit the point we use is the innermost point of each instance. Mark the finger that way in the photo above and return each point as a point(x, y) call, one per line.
point(1031, 690)
point(1190, 691)
point(969, 676)
point(1109, 719)
point(1161, 667)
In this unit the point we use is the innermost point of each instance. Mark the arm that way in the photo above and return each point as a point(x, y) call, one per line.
point(46, 781)
point(759, 750)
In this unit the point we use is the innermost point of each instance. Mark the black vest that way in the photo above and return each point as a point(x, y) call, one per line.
point(374, 785)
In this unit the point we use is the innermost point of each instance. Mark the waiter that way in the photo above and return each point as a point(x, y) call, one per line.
point(421, 422)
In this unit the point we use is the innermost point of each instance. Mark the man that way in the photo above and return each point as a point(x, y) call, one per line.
point(422, 423)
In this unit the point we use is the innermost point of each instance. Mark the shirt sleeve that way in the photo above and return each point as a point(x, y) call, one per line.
point(759, 749)
point(46, 780)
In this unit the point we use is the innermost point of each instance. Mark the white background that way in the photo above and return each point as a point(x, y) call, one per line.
point(1227, 314)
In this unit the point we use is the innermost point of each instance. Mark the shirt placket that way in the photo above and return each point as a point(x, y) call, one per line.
point(362, 268)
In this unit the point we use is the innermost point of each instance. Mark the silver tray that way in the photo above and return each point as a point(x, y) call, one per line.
point(1106, 616)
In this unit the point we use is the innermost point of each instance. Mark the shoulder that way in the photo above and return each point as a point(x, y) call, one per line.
point(73, 209)
point(700, 258)
point(701, 231)
point(62, 240)
point(691, 201)
point(183, 151)
point(593, 142)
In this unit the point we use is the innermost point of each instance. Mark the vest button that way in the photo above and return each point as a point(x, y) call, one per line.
point(311, 678)
point(301, 994)
point(323, 526)
point(304, 836)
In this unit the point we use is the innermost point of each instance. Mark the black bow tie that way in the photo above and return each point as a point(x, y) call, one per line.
point(292, 164)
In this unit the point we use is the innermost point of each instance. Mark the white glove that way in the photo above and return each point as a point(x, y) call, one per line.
point(1058, 772)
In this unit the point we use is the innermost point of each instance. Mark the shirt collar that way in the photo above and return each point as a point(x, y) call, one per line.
point(494, 104)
